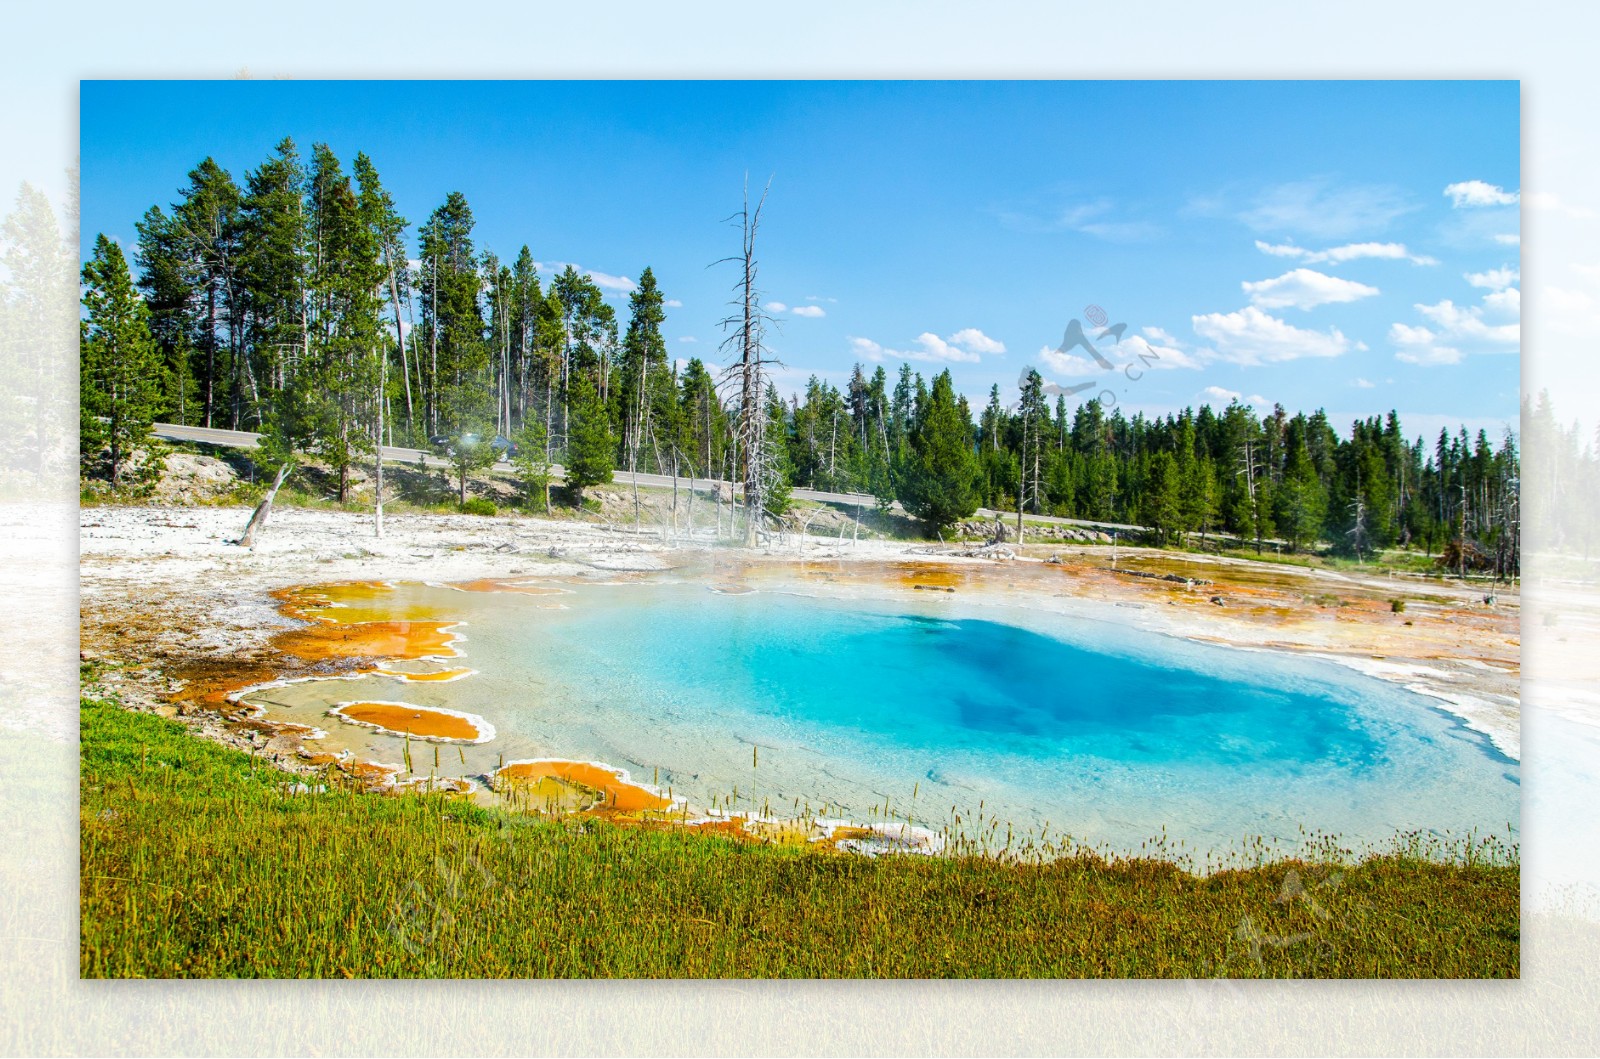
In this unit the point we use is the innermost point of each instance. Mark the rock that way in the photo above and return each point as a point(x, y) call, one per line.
point(1218, 601)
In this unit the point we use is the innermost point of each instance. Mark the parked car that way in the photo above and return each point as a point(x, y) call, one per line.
point(504, 446)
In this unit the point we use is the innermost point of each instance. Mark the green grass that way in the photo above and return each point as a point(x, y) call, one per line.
point(198, 861)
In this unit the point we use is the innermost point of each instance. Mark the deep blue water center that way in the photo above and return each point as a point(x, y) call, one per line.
point(972, 683)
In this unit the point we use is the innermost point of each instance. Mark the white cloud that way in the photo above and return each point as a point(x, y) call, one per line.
point(606, 281)
point(673, 303)
point(1506, 302)
point(687, 338)
point(814, 298)
point(1251, 336)
point(1362, 384)
point(964, 347)
point(812, 311)
point(776, 307)
point(939, 349)
point(1305, 288)
point(1318, 208)
point(1494, 278)
point(603, 280)
point(1508, 239)
point(1169, 354)
point(1134, 357)
point(1220, 397)
point(970, 338)
point(1469, 321)
point(866, 348)
point(1470, 193)
point(1454, 331)
point(1348, 252)
point(1068, 364)
point(1418, 345)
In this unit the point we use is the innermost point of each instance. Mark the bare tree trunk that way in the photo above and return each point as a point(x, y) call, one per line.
point(383, 401)
point(433, 341)
point(549, 404)
point(263, 509)
point(400, 340)
point(747, 341)
point(633, 449)
point(211, 346)
point(691, 500)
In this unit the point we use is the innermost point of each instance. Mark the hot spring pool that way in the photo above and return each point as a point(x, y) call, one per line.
point(941, 706)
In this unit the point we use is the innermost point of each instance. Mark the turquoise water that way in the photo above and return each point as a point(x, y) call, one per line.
point(1096, 727)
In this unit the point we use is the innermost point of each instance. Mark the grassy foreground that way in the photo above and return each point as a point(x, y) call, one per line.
point(198, 862)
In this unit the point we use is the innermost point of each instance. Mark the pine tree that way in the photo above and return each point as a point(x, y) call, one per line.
point(267, 387)
point(591, 448)
point(1162, 501)
point(206, 230)
point(939, 483)
point(468, 454)
point(342, 367)
point(119, 367)
point(532, 461)
point(168, 295)
point(1100, 487)
point(588, 326)
point(778, 472)
point(527, 359)
point(643, 376)
point(387, 228)
point(455, 358)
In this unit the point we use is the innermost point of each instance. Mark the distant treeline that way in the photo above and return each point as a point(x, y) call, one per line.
point(291, 304)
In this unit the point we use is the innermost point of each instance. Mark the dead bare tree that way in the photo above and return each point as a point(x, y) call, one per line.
point(263, 509)
point(377, 448)
point(748, 324)
point(399, 332)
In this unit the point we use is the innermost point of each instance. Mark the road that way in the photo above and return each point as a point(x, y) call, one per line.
point(243, 439)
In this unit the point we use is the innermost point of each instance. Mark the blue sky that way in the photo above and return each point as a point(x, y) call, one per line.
point(1352, 246)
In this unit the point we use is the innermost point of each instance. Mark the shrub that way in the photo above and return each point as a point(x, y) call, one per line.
point(478, 505)
point(1397, 606)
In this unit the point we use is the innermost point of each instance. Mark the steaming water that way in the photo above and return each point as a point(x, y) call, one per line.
point(1099, 729)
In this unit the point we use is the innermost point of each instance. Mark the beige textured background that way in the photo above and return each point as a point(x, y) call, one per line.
point(44, 1009)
